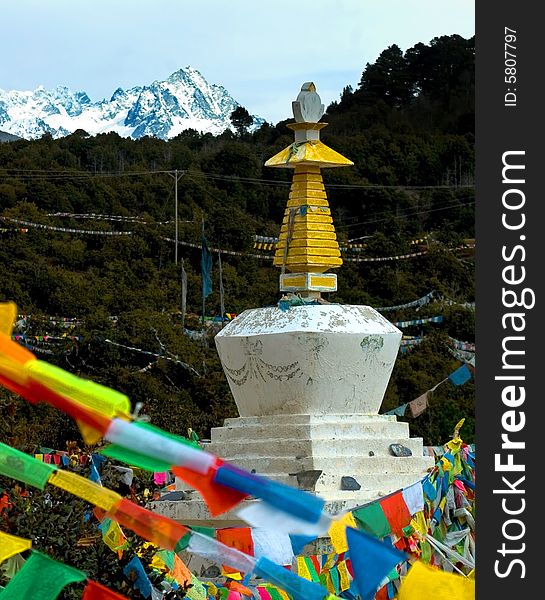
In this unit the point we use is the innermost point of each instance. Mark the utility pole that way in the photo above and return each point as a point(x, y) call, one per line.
point(176, 179)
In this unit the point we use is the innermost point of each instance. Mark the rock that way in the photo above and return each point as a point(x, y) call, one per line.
point(399, 450)
point(349, 484)
point(306, 480)
point(173, 496)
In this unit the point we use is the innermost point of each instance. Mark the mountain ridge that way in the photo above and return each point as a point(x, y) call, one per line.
point(162, 109)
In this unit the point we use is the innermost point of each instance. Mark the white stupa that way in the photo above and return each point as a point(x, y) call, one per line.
point(308, 377)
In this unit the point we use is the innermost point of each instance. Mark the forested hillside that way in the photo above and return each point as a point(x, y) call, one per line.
point(408, 127)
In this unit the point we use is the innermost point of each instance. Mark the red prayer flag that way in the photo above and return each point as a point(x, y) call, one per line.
point(159, 530)
point(95, 591)
point(382, 594)
point(234, 586)
point(236, 537)
point(317, 565)
point(396, 512)
point(218, 498)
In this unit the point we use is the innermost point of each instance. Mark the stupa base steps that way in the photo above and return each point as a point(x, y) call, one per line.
point(313, 453)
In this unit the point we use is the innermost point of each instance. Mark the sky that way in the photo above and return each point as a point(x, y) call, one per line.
point(261, 51)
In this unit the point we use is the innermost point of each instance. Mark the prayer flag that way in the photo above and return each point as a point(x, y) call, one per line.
point(22, 467)
point(41, 578)
point(337, 532)
point(419, 405)
point(414, 497)
point(85, 489)
point(159, 530)
point(11, 545)
point(299, 588)
point(423, 581)
point(372, 560)
point(275, 545)
point(219, 498)
point(135, 572)
point(461, 375)
point(95, 591)
point(396, 512)
point(206, 268)
point(373, 520)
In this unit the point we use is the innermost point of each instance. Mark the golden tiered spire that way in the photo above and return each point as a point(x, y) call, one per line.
point(308, 244)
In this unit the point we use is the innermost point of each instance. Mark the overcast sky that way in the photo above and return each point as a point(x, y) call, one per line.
point(260, 50)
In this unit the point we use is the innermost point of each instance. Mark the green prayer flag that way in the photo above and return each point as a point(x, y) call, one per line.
point(393, 574)
point(208, 531)
point(41, 578)
point(183, 542)
point(197, 591)
point(311, 569)
point(273, 593)
point(372, 520)
point(22, 467)
point(425, 546)
point(143, 461)
point(335, 579)
point(135, 459)
point(167, 556)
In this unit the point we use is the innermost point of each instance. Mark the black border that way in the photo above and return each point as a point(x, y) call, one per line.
point(501, 128)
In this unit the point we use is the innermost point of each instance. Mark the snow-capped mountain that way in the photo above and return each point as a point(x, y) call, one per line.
point(162, 109)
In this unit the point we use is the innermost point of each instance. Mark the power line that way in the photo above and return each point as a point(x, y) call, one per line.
point(409, 214)
point(52, 174)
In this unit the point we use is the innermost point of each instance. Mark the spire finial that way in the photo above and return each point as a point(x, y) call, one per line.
point(308, 244)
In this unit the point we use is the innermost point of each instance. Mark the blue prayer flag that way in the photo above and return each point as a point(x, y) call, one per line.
point(429, 489)
point(296, 503)
point(206, 269)
point(134, 570)
point(372, 560)
point(298, 542)
point(461, 375)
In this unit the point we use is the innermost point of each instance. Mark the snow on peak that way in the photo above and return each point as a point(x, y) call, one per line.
point(161, 109)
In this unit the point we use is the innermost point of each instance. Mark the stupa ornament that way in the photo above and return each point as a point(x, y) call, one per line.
point(308, 107)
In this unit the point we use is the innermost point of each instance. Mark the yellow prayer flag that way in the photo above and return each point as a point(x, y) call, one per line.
point(446, 464)
point(236, 576)
point(10, 545)
point(85, 489)
point(90, 435)
point(282, 593)
point(329, 562)
point(418, 523)
point(329, 583)
point(459, 425)
point(8, 312)
point(427, 582)
point(114, 538)
point(344, 578)
point(158, 563)
point(302, 568)
point(337, 532)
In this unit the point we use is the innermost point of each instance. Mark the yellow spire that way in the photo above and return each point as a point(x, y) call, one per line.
point(308, 244)
point(307, 231)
